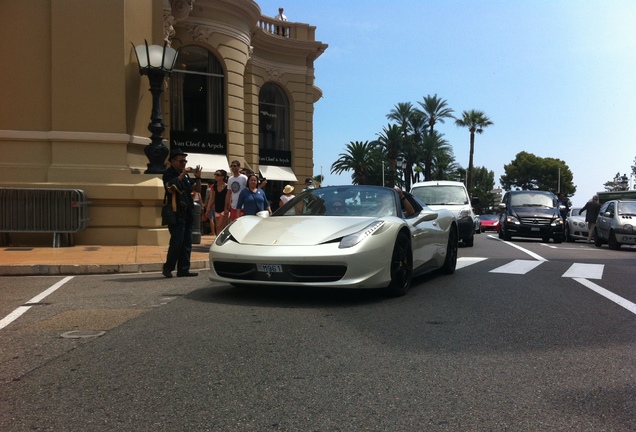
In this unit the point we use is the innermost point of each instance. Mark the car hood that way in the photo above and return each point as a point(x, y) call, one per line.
point(529, 212)
point(295, 230)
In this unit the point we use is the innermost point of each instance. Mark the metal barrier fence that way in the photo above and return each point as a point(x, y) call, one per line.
point(61, 212)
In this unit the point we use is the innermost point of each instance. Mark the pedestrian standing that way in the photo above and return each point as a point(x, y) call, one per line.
point(217, 201)
point(236, 183)
point(176, 180)
point(287, 194)
point(281, 30)
point(253, 198)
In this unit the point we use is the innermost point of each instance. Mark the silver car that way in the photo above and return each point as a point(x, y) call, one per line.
point(575, 225)
point(615, 224)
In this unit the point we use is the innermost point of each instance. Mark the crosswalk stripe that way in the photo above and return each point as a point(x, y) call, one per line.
point(467, 261)
point(517, 267)
point(585, 271)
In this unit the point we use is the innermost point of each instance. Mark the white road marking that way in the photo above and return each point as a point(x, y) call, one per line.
point(532, 254)
point(608, 294)
point(587, 271)
point(517, 267)
point(38, 298)
point(468, 261)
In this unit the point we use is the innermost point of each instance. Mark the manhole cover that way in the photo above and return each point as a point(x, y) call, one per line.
point(78, 334)
point(92, 248)
point(18, 249)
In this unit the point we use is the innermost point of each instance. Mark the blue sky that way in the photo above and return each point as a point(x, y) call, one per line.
point(557, 78)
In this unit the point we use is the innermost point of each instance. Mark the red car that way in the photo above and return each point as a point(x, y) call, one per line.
point(489, 222)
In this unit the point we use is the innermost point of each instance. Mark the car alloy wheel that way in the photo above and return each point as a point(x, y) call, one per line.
point(401, 266)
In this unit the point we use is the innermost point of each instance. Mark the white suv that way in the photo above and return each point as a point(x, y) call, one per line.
point(451, 195)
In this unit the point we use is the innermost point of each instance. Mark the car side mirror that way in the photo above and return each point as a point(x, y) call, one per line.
point(607, 214)
point(426, 216)
point(502, 206)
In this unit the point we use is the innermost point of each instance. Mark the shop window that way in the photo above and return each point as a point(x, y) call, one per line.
point(197, 92)
point(273, 119)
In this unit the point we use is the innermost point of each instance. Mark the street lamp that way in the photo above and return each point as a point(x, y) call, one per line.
point(401, 164)
point(156, 62)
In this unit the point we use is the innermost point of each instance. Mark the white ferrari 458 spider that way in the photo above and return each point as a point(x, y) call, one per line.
point(337, 236)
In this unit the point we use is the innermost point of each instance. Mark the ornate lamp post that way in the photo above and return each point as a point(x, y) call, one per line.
point(156, 62)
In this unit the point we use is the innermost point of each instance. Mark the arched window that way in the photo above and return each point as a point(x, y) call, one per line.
point(197, 86)
point(273, 118)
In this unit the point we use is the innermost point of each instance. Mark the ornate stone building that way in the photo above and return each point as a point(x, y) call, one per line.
point(76, 109)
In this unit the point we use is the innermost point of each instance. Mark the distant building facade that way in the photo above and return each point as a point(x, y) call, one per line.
point(76, 109)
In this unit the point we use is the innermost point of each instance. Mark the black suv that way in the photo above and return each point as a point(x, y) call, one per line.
point(530, 213)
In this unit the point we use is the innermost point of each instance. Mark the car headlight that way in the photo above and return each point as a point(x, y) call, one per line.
point(355, 238)
point(557, 221)
point(463, 214)
point(512, 219)
point(224, 236)
point(628, 227)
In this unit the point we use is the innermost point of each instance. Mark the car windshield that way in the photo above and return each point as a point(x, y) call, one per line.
point(441, 195)
point(361, 201)
point(539, 199)
point(574, 211)
point(488, 217)
point(627, 208)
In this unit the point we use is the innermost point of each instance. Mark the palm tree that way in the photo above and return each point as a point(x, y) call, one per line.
point(401, 114)
point(391, 141)
point(434, 149)
point(475, 121)
point(359, 159)
point(435, 110)
point(408, 118)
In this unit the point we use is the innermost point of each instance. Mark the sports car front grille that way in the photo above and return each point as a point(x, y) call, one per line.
point(535, 221)
point(291, 273)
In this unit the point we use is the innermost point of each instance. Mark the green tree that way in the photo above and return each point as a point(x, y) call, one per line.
point(475, 121)
point(391, 140)
point(483, 184)
point(618, 183)
point(434, 149)
point(409, 120)
point(434, 110)
point(528, 172)
point(358, 158)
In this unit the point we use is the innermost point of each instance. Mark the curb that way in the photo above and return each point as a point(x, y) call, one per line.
point(88, 269)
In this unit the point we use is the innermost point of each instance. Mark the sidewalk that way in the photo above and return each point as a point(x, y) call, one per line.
point(84, 259)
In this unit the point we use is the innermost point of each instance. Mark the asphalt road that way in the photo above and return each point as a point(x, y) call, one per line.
point(524, 336)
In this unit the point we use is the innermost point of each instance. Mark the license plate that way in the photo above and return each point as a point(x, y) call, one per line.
point(534, 229)
point(269, 268)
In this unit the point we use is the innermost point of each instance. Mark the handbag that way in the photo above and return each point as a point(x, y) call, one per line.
point(169, 210)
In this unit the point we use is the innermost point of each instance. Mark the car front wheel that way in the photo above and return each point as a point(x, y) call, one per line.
point(612, 242)
point(401, 266)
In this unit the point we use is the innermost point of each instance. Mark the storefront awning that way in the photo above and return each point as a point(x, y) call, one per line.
point(271, 172)
point(209, 162)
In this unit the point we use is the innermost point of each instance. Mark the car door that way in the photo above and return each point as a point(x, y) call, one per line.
point(604, 219)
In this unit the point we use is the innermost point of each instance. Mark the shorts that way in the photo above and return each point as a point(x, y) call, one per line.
point(235, 213)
